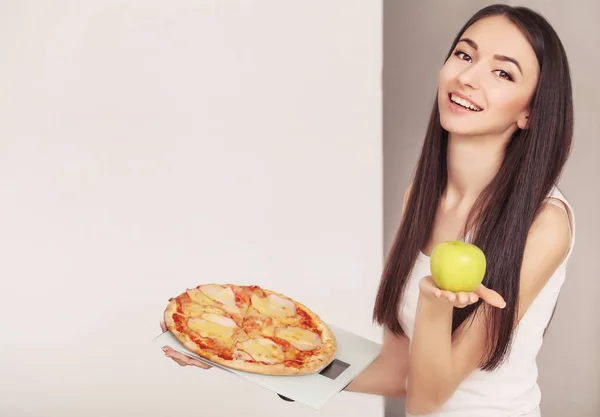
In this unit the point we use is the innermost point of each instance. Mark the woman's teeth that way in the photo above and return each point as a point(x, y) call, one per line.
point(463, 103)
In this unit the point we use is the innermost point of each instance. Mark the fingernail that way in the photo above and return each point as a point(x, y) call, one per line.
point(164, 348)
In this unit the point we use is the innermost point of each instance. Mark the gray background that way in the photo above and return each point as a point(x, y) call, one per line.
point(417, 36)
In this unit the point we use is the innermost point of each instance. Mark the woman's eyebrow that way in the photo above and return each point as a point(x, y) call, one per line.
point(504, 58)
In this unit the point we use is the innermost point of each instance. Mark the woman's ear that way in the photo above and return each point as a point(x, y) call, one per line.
point(523, 122)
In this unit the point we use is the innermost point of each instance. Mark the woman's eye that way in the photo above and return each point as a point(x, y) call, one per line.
point(463, 55)
point(504, 74)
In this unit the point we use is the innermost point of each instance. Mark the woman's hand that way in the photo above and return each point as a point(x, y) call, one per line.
point(460, 299)
point(180, 358)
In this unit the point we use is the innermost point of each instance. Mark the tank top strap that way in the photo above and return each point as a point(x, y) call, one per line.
point(556, 198)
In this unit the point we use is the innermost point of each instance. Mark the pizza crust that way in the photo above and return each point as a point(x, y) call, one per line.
point(275, 369)
point(314, 362)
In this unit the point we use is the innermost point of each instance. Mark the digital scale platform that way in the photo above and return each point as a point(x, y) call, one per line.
point(354, 353)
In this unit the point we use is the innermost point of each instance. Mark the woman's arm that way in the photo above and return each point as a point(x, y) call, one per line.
point(386, 375)
point(437, 364)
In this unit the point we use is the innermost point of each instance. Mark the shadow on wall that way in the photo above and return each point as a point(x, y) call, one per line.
point(416, 36)
point(394, 407)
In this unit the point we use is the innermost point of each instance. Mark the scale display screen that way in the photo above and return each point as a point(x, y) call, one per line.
point(334, 369)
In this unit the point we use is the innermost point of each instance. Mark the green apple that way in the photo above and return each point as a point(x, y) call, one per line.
point(457, 266)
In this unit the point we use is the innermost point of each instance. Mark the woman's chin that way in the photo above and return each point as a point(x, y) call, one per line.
point(460, 129)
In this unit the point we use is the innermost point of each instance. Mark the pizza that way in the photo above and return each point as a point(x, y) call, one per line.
point(251, 329)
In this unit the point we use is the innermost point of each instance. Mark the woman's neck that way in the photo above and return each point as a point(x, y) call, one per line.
point(472, 164)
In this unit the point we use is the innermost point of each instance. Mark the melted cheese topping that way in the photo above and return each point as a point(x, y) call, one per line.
point(288, 320)
point(199, 297)
point(263, 350)
point(224, 295)
point(240, 355)
point(221, 320)
point(300, 338)
point(273, 305)
point(215, 327)
point(193, 309)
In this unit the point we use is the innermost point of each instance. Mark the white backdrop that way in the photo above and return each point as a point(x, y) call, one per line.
point(147, 147)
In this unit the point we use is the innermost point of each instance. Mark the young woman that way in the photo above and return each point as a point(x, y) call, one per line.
point(498, 138)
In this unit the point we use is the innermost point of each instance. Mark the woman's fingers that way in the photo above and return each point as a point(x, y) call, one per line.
point(462, 299)
point(197, 363)
point(182, 359)
point(179, 362)
point(468, 298)
point(458, 299)
point(490, 296)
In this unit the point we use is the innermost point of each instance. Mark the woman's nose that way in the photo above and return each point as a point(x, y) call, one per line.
point(470, 77)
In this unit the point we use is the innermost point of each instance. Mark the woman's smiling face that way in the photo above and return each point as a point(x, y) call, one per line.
point(494, 71)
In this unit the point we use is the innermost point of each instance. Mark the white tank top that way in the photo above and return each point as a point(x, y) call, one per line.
point(512, 389)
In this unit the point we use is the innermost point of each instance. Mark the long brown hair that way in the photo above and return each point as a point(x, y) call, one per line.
point(502, 215)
